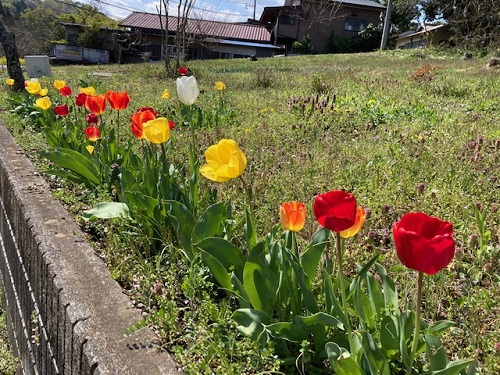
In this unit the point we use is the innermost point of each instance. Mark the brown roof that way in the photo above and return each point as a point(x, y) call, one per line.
point(214, 29)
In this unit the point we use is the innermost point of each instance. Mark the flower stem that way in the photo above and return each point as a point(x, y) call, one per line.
point(340, 275)
point(163, 152)
point(117, 128)
point(416, 333)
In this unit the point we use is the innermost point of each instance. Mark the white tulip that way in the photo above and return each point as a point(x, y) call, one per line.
point(187, 90)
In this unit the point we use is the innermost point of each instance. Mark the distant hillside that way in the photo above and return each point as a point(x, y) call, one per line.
point(37, 24)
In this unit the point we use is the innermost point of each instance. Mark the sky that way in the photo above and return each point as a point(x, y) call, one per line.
point(220, 10)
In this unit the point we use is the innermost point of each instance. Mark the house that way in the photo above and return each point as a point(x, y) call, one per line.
point(320, 20)
point(205, 39)
point(425, 35)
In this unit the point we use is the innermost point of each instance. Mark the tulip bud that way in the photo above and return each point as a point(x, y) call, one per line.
point(497, 347)
point(459, 252)
point(479, 206)
point(488, 267)
point(473, 240)
point(420, 187)
point(385, 209)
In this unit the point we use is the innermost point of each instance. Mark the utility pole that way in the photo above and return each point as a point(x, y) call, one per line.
point(387, 22)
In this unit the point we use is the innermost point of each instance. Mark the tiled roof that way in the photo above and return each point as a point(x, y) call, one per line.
point(214, 29)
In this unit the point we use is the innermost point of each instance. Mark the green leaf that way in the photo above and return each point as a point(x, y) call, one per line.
point(341, 361)
point(435, 352)
point(182, 221)
point(260, 283)
point(75, 162)
point(364, 308)
point(441, 325)
point(107, 210)
point(307, 295)
point(69, 176)
point(332, 303)
point(374, 294)
point(212, 221)
point(376, 360)
point(217, 270)
point(389, 339)
point(229, 256)
point(453, 367)
point(250, 232)
point(312, 254)
point(286, 331)
point(251, 322)
point(319, 319)
point(388, 288)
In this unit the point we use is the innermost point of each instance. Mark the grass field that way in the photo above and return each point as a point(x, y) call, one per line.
point(403, 131)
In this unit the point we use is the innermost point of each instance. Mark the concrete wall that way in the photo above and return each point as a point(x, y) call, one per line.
point(65, 313)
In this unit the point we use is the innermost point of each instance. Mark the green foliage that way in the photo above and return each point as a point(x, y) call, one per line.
point(388, 134)
point(8, 363)
point(303, 46)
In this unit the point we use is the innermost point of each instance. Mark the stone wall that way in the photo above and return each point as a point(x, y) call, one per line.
point(66, 314)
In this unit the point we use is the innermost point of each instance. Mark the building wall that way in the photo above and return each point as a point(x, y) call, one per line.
point(347, 22)
point(419, 40)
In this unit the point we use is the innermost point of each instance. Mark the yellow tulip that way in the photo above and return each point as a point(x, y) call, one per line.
point(90, 148)
point(9, 81)
point(90, 91)
point(43, 103)
point(225, 161)
point(358, 223)
point(33, 87)
point(220, 86)
point(157, 130)
point(43, 92)
point(58, 84)
point(166, 94)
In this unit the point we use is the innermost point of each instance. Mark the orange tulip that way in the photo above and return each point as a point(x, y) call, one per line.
point(96, 104)
point(358, 223)
point(142, 116)
point(118, 100)
point(293, 215)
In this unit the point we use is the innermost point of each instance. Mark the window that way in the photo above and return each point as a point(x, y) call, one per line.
point(286, 19)
point(352, 24)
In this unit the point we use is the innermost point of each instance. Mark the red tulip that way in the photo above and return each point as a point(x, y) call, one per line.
point(171, 124)
point(424, 243)
point(92, 133)
point(182, 70)
point(80, 99)
point(91, 119)
point(96, 104)
point(65, 91)
point(335, 210)
point(140, 117)
point(61, 110)
point(118, 100)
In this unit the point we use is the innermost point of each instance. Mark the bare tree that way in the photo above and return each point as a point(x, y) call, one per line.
point(183, 10)
point(125, 41)
point(164, 32)
point(8, 41)
point(316, 13)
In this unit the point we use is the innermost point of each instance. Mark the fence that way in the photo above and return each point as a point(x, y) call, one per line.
point(65, 313)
